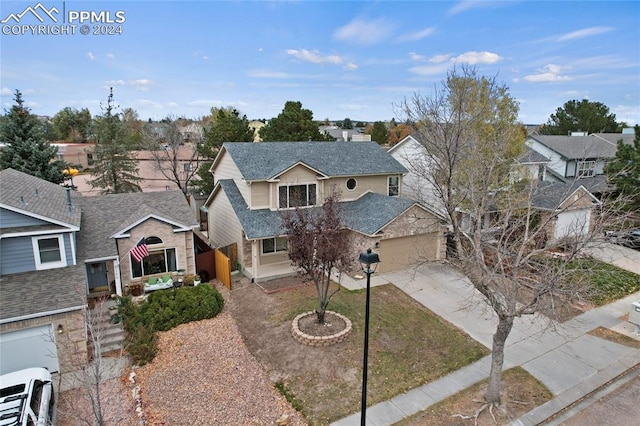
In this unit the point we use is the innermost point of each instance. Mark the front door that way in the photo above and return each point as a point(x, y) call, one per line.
point(97, 277)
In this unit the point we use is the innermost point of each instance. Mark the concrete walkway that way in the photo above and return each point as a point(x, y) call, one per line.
point(570, 362)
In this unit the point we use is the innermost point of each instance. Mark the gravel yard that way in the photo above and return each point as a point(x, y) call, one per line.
point(204, 374)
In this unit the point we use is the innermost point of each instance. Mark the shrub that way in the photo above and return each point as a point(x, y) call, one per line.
point(164, 310)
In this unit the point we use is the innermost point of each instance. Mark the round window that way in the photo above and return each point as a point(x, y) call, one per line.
point(351, 184)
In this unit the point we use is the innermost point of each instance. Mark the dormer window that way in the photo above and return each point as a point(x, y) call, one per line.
point(290, 196)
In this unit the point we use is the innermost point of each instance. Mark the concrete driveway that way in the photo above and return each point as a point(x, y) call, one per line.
point(620, 256)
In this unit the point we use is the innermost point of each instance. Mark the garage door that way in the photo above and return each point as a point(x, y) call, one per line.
point(573, 223)
point(29, 347)
point(404, 252)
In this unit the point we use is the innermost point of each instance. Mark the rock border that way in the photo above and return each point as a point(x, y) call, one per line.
point(319, 341)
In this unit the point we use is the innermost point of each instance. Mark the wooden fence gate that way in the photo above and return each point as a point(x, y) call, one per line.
point(223, 268)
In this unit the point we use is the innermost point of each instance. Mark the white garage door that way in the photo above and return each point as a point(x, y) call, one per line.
point(29, 347)
point(404, 252)
point(573, 223)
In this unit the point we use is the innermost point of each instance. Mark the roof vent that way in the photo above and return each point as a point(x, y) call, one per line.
point(23, 201)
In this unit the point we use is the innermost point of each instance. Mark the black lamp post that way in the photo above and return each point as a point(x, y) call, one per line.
point(369, 262)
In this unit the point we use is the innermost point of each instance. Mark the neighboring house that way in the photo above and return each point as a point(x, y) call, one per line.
point(578, 156)
point(78, 155)
point(153, 172)
point(255, 182)
point(410, 153)
point(345, 135)
point(192, 133)
point(571, 202)
point(58, 249)
point(570, 207)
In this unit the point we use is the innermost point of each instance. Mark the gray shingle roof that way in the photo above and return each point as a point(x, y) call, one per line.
point(105, 215)
point(368, 214)
point(531, 156)
point(579, 147)
point(39, 197)
point(549, 195)
point(266, 160)
point(31, 293)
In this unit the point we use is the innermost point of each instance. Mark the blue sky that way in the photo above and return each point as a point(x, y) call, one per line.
point(341, 59)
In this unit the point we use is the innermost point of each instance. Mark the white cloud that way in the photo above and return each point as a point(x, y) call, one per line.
point(438, 59)
point(442, 62)
point(417, 35)
point(314, 57)
point(550, 72)
point(351, 66)
point(141, 85)
point(429, 69)
point(585, 32)
point(477, 58)
point(416, 57)
point(5, 91)
point(111, 56)
point(364, 32)
point(115, 83)
point(90, 56)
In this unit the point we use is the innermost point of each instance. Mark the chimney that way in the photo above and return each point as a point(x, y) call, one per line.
point(69, 204)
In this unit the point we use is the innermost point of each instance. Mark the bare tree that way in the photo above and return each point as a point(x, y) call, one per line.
point(92, 399)
point(178, 162)
point(318, 243)
point(502, 229)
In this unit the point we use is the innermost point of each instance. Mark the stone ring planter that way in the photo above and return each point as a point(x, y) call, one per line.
point(320, 340)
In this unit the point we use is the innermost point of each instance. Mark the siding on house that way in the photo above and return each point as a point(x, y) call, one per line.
point(11, 219)
point(18, 256)
point(226, 168)
point(259, 195)
point(224, 226)
point(556, 162)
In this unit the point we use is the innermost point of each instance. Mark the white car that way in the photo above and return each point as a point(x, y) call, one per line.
point(26, 397)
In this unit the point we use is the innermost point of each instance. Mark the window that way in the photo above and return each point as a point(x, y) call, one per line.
point(586, 169)
point(274, 245)
point(89, 159)
point(351, 184)
point(297, 196)
point(394, 185)
point(158, 261)
point(49, 252)
point(188, 167)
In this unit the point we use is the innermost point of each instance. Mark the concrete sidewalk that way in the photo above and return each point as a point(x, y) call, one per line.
point(570, 362)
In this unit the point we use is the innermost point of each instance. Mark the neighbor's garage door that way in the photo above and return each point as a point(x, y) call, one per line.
point(29, 347)
point(404, 252)
point(573, 223)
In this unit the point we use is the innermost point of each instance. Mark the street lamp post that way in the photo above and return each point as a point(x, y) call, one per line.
point(368, 262)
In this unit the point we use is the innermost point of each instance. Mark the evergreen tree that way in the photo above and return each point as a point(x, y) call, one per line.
point(114, 170)
point(624, 172)
point(379, 133)
point(26, 147)
point(580, 116)
point(293, 124)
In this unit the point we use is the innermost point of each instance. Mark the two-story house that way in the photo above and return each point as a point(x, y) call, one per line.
point(569, 202)
point(254, 182)
point(59, 249)
point(578, 156)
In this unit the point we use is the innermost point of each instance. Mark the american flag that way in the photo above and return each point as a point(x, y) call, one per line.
point(139, 251)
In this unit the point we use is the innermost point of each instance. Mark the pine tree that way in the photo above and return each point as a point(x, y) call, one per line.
point(26, 147)
point(114, 170)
